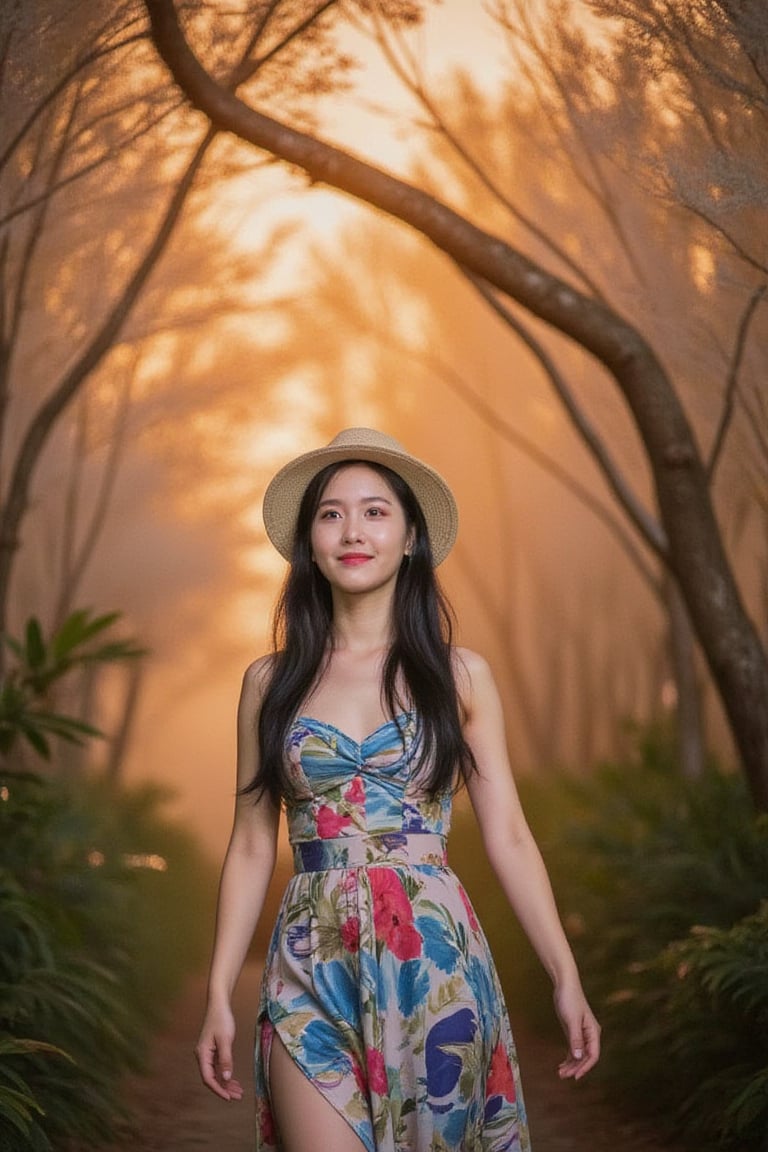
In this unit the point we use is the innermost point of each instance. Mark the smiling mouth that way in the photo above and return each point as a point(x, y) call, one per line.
point(355, 558)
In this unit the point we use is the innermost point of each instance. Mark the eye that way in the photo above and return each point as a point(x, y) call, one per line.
point(329, 514)
point(374, 511)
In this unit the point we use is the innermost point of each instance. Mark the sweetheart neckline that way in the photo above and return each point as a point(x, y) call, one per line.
point(340, 731)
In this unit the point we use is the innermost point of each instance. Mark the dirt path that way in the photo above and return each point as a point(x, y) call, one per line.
point(174, 1113)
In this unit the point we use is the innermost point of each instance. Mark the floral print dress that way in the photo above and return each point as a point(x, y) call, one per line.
point(378, 978)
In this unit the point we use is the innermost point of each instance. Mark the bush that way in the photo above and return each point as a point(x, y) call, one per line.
point(662, 884)
point(86, 877)
point(703, 1003)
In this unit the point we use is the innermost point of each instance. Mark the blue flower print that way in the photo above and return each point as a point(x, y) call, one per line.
point(413, 821)
point(298, 939)
point(323, 1050)
point(438, 943)
point(412, 987)
point(443, 1065)
point(337, 989)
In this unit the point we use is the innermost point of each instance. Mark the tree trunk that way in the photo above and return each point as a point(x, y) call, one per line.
point(693, 550)
point(45, 419)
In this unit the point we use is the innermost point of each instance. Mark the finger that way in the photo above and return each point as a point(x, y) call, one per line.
point(585, 1051)
point(576, 1044)
point(206, 1060)
point(591, 1046)
point(223, 1061)
point(235, 1089)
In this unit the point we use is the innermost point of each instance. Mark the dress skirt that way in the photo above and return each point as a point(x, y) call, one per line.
point(379, 980)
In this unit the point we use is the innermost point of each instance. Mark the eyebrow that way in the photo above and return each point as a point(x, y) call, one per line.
point(365, 500)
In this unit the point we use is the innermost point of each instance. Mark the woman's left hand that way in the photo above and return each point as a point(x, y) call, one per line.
point(581, 1029)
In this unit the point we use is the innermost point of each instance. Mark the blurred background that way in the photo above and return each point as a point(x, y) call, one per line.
point(275, 314)
point(182, 314)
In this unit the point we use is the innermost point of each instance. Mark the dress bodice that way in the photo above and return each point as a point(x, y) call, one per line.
point(345, 788)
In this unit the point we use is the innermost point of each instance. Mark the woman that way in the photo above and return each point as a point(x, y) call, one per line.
point(382, 1025)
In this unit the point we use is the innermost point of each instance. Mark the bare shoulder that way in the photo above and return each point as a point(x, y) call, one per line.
point(470, 663)
point(474, 678)
point(255, 680)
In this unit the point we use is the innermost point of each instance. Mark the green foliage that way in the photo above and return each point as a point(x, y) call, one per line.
point(24, 689)
point(662, 883)
point(663, 888)
point(104, 905)
point(701, 1006)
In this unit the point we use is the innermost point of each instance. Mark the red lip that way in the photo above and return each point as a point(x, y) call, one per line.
point(355, 558)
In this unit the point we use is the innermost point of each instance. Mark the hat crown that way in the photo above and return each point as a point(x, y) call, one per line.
point(365, 438)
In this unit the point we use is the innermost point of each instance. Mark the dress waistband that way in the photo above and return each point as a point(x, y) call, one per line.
point(409, 848)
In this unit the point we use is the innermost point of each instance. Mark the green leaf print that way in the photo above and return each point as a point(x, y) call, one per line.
point(448, 992)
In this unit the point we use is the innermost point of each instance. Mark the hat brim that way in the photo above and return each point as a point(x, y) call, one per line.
point(285, 491)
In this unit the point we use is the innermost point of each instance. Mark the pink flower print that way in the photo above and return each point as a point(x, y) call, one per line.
point(360, 1077)
point(501, 1082)
point(265, 1125)
point(355, 793)
point(349, 883)
point(377, 1072)
point(469, 910)
point(330, 823)
point(267, 1032)
point(350, 934)
point(393, 915)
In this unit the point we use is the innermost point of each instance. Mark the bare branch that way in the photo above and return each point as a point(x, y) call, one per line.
point(35, 232)
point(248, 68)
point(716, 226)
point(61, 86)
point(74, 564)
point(648, 527)
point(501, 427)
point(695, 549)
point(260, 28)
point(53, 188)
point(501, 618)
point(733, 378)
point(409, 78)
point(45, 418)
point(597, 186)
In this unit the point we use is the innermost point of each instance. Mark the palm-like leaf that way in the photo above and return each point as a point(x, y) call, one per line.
point(40, 664)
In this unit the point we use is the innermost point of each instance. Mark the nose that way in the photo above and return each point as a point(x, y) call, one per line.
point(352, 530)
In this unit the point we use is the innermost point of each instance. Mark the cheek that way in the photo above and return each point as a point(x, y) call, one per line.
point(318, 535)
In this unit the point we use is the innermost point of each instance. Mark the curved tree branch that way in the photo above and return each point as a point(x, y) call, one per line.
point(571, 484)
point(45, 418)
point(412, 84)
point(60, 86)
point(732, 382)
point(696, 553)
point(648, 527)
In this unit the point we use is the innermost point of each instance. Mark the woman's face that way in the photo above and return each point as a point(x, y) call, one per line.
point(359, 533)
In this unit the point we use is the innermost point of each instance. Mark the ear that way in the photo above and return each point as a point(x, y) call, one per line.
point(410, 543)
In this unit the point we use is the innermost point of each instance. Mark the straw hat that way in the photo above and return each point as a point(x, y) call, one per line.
point(285, 491)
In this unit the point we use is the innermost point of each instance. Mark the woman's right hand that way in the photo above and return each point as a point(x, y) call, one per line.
point(214, 1054)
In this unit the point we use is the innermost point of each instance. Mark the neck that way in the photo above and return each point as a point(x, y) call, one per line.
point(362, 623)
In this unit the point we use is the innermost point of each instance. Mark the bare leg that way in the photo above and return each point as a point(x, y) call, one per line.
point(307, 1121)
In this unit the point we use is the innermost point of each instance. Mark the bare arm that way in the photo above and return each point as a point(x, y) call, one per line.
point(517, 862)
point(245, 878)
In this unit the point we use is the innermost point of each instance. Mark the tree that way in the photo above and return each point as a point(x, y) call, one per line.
point(96, 172)
point(686, 537)
point(103, 184)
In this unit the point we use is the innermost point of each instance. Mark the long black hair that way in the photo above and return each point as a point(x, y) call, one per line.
point(419, 659)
